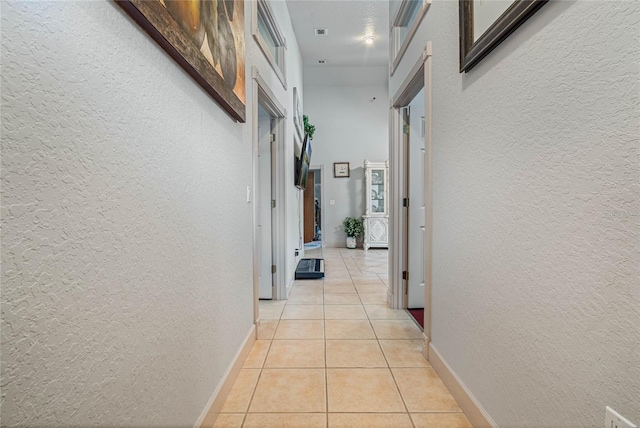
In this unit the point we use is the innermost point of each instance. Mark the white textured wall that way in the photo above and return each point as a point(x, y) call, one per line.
point(126, 280)
point(536, 281)
point(350, 127)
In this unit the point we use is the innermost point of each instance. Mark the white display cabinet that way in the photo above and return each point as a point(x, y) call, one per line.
point(376, 218)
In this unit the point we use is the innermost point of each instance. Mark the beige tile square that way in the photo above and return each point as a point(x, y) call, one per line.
point(296, 354)
point(240, 395)
point(290, 391)
point(305, 299)
point(300, 329)
point(362, 390)
point(369, 420)
point(341, 299)
point(339, 289)
point(373, 298)
point(267, 329)
point(257, 355)
point(344, 312)
point(423, 391)
point(337, 279)
point(371, 288)
point(396, 329)
point(229, 420)
point(382, 312)
point(299, 291)
point(270, 309)
point(303, 312)
point(335, 268)
point(354, 353)
point(303, 287)
point(404, 353)
point(440, 420)
point(366, 279)
point(286, 420)
point(348, 329)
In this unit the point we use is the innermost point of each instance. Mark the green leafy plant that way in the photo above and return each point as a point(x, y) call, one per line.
point(308, 128)
point(353, 227)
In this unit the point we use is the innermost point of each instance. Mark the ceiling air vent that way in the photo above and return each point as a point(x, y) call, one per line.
point(321, 31)
point(322, 61)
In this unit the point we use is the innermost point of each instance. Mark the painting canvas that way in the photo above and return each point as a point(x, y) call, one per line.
point(206, 37)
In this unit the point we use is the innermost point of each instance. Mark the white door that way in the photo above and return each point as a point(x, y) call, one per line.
point(264, 205)
point(415, 232)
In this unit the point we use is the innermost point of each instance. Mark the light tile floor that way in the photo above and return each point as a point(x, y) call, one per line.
point(335, 355)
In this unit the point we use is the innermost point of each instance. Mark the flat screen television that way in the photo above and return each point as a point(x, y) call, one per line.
point(302, 165)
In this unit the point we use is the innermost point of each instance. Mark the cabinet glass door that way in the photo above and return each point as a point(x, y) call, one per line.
point(377, 191)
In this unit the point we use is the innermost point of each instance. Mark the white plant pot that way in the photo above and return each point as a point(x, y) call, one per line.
point(351, 242)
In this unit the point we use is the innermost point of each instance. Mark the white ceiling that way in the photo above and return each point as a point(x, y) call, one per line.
point(347, 22)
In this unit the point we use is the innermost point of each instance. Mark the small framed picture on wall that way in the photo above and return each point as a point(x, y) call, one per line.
point(341, 169)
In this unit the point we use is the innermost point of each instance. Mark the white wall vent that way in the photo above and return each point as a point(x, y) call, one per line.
point(321, 31)
point(322, 61)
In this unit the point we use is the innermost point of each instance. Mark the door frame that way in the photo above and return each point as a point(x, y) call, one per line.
point(419, 77)
point(263, 95)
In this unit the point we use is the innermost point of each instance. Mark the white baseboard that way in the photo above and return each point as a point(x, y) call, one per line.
point(210, 413)
point(291, 282)
point(426, 341)
point(472, 409)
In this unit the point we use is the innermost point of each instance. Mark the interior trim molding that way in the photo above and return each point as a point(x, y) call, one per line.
point(469, 404)
point(424, 8)
point(419, 77)
point(263, 8)
point(263, 94)
point(214, 405)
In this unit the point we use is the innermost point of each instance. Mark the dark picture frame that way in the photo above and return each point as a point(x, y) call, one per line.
point(224, 80)
point(472, 52)
point(339, 170)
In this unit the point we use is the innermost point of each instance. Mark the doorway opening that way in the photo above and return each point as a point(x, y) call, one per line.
point(267, 194)
point(414, 115)
point(411, 214)
point(312, 205)
point(264, 198)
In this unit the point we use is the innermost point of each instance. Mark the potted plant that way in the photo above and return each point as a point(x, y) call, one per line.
point(354, 228)
point(308, 127)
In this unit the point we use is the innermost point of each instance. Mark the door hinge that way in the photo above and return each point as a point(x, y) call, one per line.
point(405, 129)
point(405, 202)
point(272, 138)
point(405, 275)
point(273, 268)
point(273, 203)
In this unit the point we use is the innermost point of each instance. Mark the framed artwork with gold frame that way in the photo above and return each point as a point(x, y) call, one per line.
point(206, 38)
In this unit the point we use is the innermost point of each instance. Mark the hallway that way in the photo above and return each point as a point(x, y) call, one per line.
point(335, 355)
